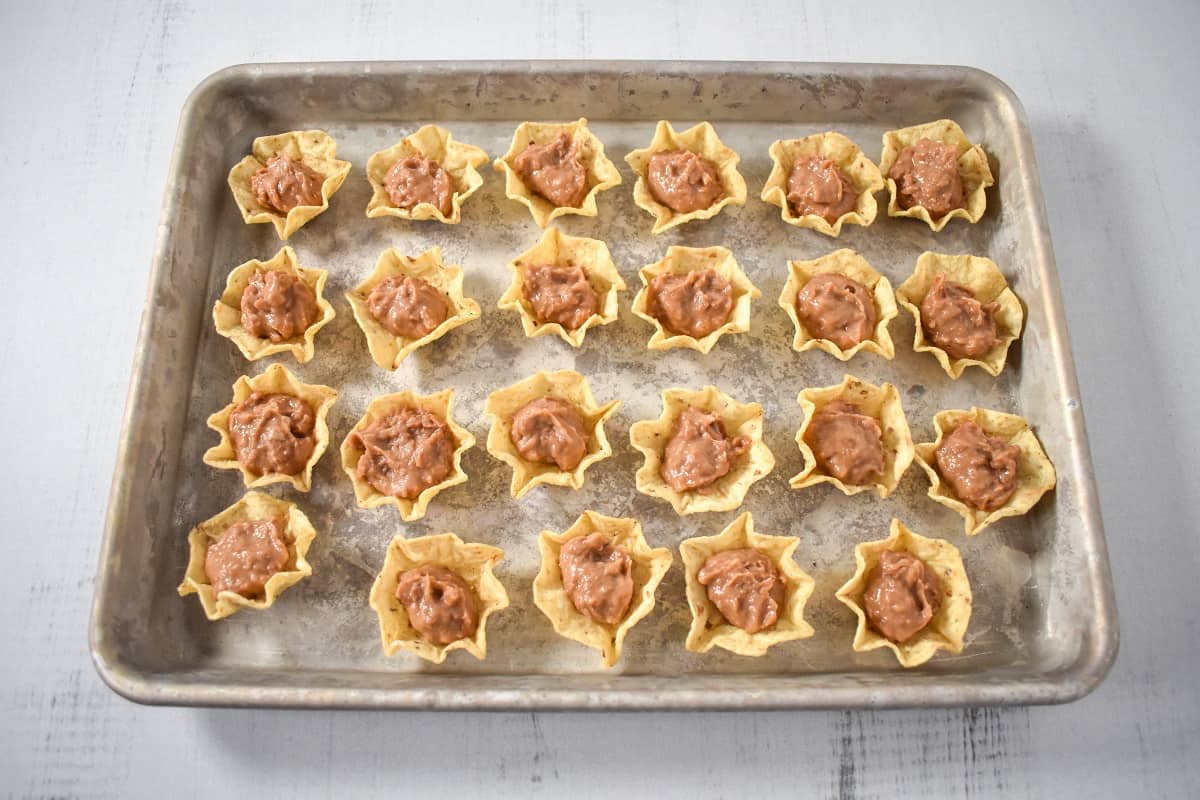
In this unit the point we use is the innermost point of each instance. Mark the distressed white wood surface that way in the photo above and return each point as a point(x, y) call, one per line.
point(90, 95)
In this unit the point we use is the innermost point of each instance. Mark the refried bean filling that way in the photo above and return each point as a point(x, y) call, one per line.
point(415, 180)
point(277, 305)
point(926, 174)
point(745, 586)
point(956, 322)
point(440, 605)
point(683, 181)
point(693, 304)
point(407, 307)
point(549, 431)
point(981, 470)
point(699, 452)
point(273, 434)
point(837, 308)
point(847, 443)
point(554, 171)
point(246, 556)
point(283, 184)
point(902, 595)
point(818, 186)
point(597, 577)
point(560, 293)
point(405, 452)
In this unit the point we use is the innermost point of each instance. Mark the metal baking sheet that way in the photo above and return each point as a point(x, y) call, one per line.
point(1044, 625)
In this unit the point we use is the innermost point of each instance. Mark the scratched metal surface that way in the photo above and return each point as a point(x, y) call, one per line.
point(1093, 77)
point(1042, 628)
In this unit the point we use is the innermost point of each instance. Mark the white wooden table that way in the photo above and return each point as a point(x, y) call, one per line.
point(90, 95)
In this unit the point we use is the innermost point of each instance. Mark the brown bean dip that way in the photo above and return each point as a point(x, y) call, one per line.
point(549, 431)
point(982, 470)
point(284, 184)
point(699, 452)
point(818, 186)
point(745, 586)
point(902, 595)
point(837, 308)
point(560, 294)
point(415, 180)
point(246, 556)
point(693, 304)
point(554, 171)
point(405, 452)
point(926, 174)
point(597, 576)
point(847, 443)
point(277, 305)
point(683, 181)
point(407, 307)
point(273, 434)
point(440, 605)
point(958, 323)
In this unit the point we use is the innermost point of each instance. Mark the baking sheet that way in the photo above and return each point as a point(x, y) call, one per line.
point(1043, 627)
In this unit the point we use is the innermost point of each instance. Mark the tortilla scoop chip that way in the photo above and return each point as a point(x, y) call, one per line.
point(649, 567)
point(1035, 472)
point(315, 149)
point(566, 385)
point(948, 626)
point(434, 143)
point(680, 261)
point(701, 139)
point(278, 379)
point(850, 264)
point(387, 349)
point(987, 283)
point(602, 174)
point(709, 628)
point(298, 534)
point(861, 171)
point(471, 562)
point(441, 405)
point(650, 437)
point(227, 312)
point(972, 168)
point(882, 403)
point(558, 249)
